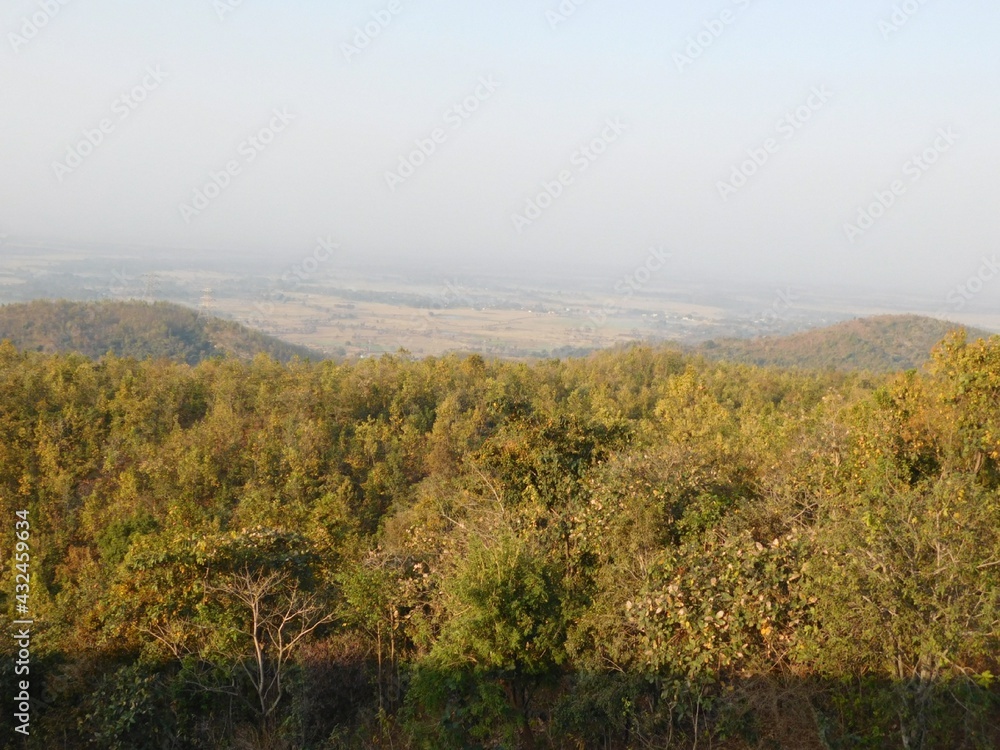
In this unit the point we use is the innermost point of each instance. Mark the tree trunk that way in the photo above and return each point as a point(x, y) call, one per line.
point(517, 699)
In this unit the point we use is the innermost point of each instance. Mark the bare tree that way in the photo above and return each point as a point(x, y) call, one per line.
point(280, 617)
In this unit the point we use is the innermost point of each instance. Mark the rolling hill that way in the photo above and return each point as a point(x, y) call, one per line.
point(164, 330)
point(884, 343)
point(136, 329)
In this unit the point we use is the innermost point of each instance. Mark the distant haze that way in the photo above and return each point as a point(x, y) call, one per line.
point(741, 135)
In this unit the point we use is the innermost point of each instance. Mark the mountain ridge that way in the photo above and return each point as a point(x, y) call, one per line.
point(881, 343)
point(132, 328)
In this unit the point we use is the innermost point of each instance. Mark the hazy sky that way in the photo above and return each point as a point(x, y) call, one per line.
point(746, 136)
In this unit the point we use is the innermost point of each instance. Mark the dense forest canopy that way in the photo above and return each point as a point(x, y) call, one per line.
point(636, 549)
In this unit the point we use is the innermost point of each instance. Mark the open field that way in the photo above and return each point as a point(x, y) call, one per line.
point(350, 311)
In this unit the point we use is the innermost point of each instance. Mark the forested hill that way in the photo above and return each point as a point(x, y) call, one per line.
point(885, 343)
point(136, 329)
